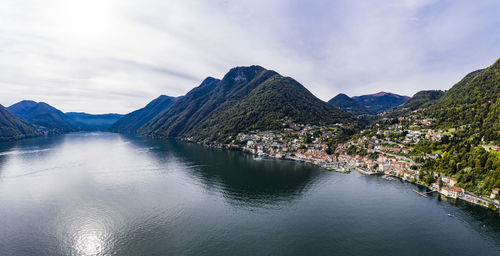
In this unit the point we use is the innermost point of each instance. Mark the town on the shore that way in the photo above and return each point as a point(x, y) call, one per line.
point(378, 154)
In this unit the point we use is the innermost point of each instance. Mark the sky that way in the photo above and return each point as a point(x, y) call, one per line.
point(114, 56)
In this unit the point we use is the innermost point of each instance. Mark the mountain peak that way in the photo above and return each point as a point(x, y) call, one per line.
point(378, 94)
point(208, 80)
point(341, 96)
point(27, 102)
point(381, 101)
point(43, 114)
point(348, 104)
point(243, 73)
point(246, 99)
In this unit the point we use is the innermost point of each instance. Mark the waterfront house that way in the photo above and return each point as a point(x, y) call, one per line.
point(446, 191)
point(452, 192)
point(436, 186)
point(407, 175)
point(458, 191)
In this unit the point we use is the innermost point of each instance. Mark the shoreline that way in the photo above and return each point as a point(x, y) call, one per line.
point(467, 196)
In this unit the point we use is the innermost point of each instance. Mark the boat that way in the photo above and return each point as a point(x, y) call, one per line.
point(342, 171)
point(450, 215)
point(387, 177)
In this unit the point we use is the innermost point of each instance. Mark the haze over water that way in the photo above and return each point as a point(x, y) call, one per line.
point(108, 194)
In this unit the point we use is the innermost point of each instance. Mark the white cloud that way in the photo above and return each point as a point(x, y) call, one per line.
point(115, 56)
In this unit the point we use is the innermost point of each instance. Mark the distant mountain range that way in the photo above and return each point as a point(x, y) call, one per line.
point(247, 98)
point(370, 104)
point(13, 127)
point(131, 122)
point(91, 122)
point(43, 115)
point(42, 118)
point(252, 98)
point(349, 104)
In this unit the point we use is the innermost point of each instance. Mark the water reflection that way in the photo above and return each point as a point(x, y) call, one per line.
point(105, 194)
point(238, 176)
point(89, 242)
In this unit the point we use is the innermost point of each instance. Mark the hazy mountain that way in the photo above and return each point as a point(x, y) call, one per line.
point(348, 104)
point(131, 122)
point(13, 127)
point(247, 98)
point(90, 122)
point(44, 115)
point(382, 101)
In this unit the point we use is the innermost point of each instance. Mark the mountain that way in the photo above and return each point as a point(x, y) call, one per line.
point(382, 101)
point(346, 103)
point(469, 113)
point(131, 122)
point(247, 98)
point(13, 127)
point(90, 122)
point(473, 102)
point(44, 115)
point(420, 100)
point(423, 99)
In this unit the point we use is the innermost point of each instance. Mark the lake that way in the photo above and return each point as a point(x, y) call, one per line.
point(109, 194)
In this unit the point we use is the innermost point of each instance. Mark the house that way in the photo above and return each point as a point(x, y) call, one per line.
point(406, 175)
point(383, 167)
point(406, 150)
point(494, 193)
point(452, 192)
point(436, 186)
point(455, 192)
point(371, 165)
point(446, 191)
point(399, 173)
point(459, 191)
point(446, 179)
point(453, 181)
point(400, 165)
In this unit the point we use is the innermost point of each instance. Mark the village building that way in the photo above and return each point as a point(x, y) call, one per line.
point(494, 193)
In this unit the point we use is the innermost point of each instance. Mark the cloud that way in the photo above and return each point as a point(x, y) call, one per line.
point(114, 56)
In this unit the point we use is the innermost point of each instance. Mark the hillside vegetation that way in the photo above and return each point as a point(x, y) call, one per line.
point(131, 122)
point(247, 98)
point(12, 127)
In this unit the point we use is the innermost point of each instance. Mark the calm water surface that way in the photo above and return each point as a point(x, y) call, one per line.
point(107, 194)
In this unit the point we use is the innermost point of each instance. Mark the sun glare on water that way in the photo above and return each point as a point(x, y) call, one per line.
point(89, 244)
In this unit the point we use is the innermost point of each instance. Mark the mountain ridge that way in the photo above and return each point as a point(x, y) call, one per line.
point(13, 127)
point(131, 122)
point(381, 101)
point(44, 115)
point(348, 104)
point(246, 98)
